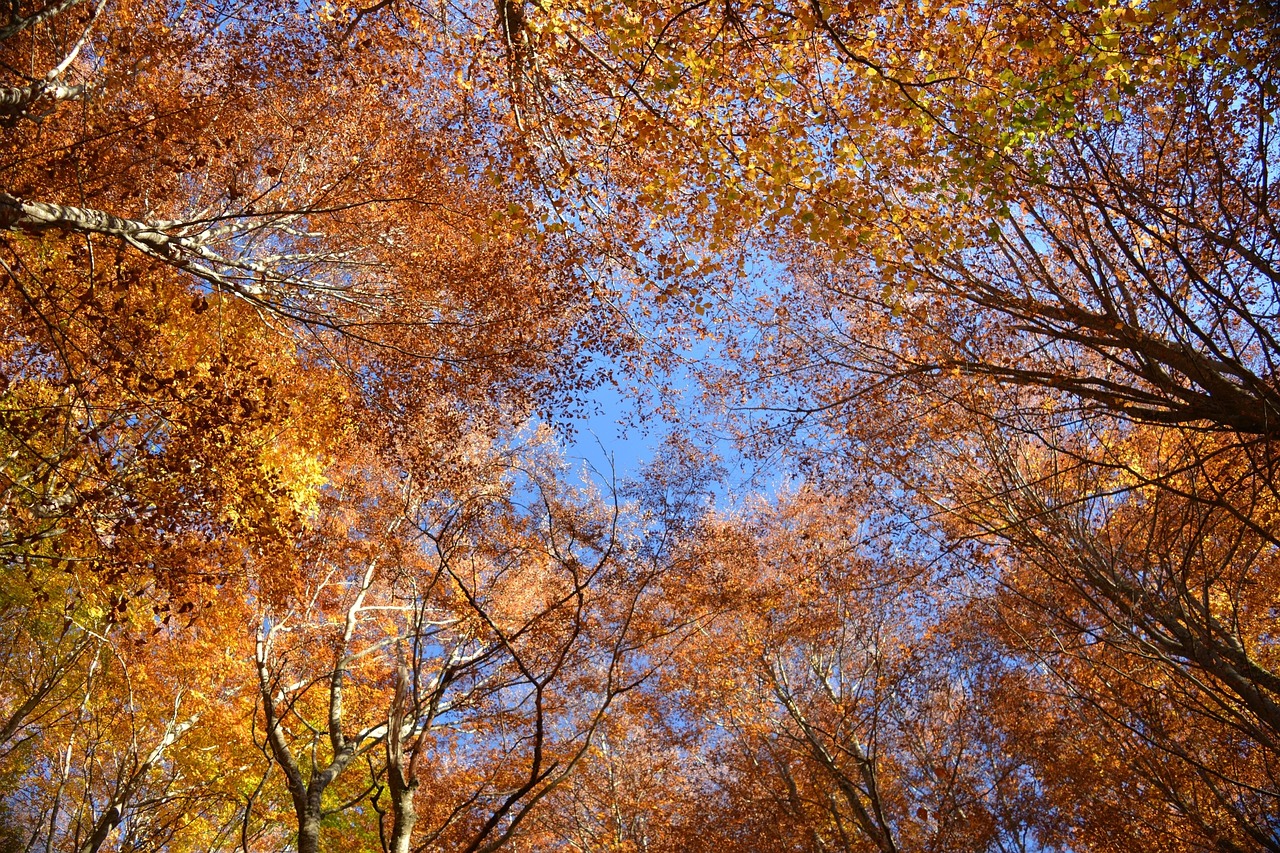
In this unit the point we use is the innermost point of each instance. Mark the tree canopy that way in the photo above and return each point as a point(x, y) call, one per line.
point(953, 327)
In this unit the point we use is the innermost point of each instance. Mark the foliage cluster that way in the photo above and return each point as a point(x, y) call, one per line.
point(298, 300)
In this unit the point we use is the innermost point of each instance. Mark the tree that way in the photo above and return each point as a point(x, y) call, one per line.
point(824, 703)
point(294, 295)
point(1142, 609)
point(471, 675)
point(1053, 230)
point(178, 381)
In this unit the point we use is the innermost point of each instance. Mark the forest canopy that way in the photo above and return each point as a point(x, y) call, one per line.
point(952, 329)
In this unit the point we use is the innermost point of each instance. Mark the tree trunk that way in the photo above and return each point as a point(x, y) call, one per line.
point(403, 818)
point(309, 832)
point(16, 101)
point(400, 768)
point(37, 216)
